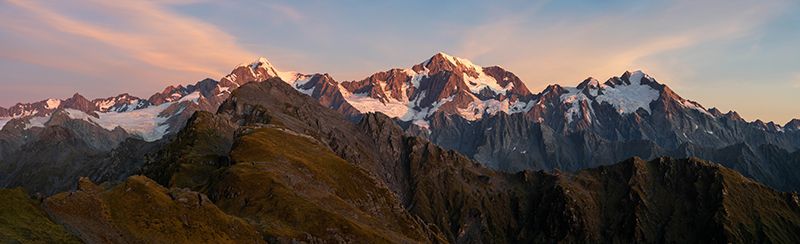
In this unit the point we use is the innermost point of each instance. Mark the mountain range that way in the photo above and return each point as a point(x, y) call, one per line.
point(443, 151)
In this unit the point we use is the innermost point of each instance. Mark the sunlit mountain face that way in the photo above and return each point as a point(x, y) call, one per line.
point(540, 122)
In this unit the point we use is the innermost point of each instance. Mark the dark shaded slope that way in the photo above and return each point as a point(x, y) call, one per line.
point(294, 188)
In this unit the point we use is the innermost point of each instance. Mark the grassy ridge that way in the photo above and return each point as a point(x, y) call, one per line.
point(292, 187)
point(141, 211)
point(21, 220)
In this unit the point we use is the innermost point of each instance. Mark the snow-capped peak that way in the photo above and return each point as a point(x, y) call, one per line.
point(473, 75)
point(440, 83)
point(455, 61)
point(260, 70)
point(625, 97)
point(263, 63)
point(590, 83)
point(52, 103)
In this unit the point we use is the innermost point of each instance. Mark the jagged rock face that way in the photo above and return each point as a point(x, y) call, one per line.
point(512, 142)
point(257, 71)
point(28, 109)
point(319, 86)
point(121, 103)
point(663, 199)
point(594, 123)
point(50, 159)
point(79, 102)
point(793, 125)
point(326, 91)
point(207, 88)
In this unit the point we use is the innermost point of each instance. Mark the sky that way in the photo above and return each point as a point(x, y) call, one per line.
point(733, 55)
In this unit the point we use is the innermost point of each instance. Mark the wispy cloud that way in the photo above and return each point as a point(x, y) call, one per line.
point(569, 49)
point(795, 82)
point(286, 11)
point(144, 31)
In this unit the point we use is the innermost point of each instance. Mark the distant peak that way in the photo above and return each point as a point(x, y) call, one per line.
point(77, 96)
point(714, 111)
point(793, 124)
point(52, 103)
point(441, 56)
point(589, 82)
point(259, 62)
point(443, 61)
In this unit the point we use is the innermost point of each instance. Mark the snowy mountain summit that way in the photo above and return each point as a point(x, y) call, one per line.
point(441, 83)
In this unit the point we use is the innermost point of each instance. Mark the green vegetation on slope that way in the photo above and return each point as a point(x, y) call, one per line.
point(141, 211)
point(755, 213)
point(21, 220)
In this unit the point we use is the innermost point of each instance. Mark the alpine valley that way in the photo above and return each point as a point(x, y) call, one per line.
point(443, 151)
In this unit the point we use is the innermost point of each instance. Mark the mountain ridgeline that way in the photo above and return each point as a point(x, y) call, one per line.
point(487, 114)
point(445, 151)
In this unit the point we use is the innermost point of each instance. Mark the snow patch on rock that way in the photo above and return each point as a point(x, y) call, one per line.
point(366, 104)
point(37, 121)
point(629, 98)
point(695, 106)
point(52, 103)
point(573, 99)
point(4, 121)
point(147, 123)
point(477, 108)
point(105, 104)
point(479, 82)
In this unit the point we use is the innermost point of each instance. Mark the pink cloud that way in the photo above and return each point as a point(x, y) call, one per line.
point(568, 50)
point(147, 33)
